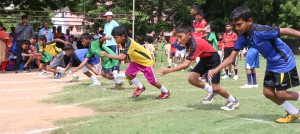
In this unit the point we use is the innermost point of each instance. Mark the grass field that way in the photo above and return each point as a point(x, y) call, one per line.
point(183, 112)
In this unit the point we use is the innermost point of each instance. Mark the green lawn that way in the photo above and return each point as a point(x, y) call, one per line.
point(118, 113)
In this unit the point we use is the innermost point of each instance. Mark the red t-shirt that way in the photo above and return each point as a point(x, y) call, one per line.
point(199, 24)
point(220, 45)
point(230, 36)
point(172, 40)
point(199, 48)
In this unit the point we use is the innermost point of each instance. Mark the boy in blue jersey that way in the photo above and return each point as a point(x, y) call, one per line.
point(281, 72)
point(77, 57)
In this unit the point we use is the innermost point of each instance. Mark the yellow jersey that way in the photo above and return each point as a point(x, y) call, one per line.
point(51, 48)
point(137, 53)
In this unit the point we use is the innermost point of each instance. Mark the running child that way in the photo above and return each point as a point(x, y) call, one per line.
point(108, 64)
point(281, 73)
point(210, 59)
point(140, 61)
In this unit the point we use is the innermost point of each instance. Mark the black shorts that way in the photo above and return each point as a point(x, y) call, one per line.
point(206, 64)
point(281, 81)
point(227, 52)
point(46, 63)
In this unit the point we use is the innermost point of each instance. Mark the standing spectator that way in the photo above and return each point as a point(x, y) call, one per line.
point(172, 40)
point(110, 41)
point(67, 35)
point(24, 31)
point(72, 42)
point(5, 42)
point(54, 31)
point(47, 32)
point(97, 35)
point(58, 34)
point(229, 38)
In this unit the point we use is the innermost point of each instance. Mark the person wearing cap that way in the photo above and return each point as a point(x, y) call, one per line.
point(108, 27)
point(47, 32)
point(77, 57)
point(24, 31)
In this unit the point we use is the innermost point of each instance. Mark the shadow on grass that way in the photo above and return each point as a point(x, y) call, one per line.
point(200, 106)
point(144, 97)
point(262, 117)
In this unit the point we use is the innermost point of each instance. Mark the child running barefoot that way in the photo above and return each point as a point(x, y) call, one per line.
point(140, 61)
point(199, 47)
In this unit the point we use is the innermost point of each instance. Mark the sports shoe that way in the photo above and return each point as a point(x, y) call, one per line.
point(94, 84)
point(247, 86)
point(58, 75)
point(255, 86)
point(235, 77)
point(54, 74)
point(209, 98)
point(231, 105)
point(117, 86)
point(163, 95)
point(169, 66)
point(288, 118)
point(42, 73)
point(75, 78)
point(138, 91)
point(225, 77)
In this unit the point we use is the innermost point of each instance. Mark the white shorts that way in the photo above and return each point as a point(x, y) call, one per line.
point(180, 53)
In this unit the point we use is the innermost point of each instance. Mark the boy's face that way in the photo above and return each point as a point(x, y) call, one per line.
point(24, 46)
point(183, 38)
point(41, 42)
point(199, 17)
point(193, 12)
point(220, 36)
point(32, 41)
point(85, 42)
point(228, 28)
point(242, 26)
point(69, 52)
point(119, 40)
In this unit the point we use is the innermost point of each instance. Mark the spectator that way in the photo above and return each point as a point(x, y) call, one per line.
point(5, 42)
point(24, 31)
point(97, 35)
point(67, 35)
point(47, 32)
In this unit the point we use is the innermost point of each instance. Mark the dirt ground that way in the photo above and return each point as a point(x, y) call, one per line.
point(21, 109)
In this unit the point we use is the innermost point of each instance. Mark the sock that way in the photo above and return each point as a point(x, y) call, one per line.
point(136, 82)
point(226, 72)
point(120, 76)
point(197, 59)
point(254, 78)
point(299, 96)
point(93, 78)
point(249, 82)
point(231, 98)
point(208, 88)
point(117, 81)
point(235, 71)
point(163, 89)
point(170, 62)
point(191, 67)
point(289, 108)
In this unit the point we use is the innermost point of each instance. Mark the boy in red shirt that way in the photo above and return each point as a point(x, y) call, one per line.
point(229, 38)
point(199, 24)
point(172, 50)
point(210, 59)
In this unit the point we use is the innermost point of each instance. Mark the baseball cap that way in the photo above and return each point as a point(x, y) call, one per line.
point(109, 13)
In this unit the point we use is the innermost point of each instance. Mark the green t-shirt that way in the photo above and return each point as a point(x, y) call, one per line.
point(95, 49)
point(46, 57)
point(161, 46)
point(212, 39)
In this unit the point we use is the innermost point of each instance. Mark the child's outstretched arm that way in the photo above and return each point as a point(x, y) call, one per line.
point(83, 63)
point(184, 65)
point(290, 32)
point(117, 57)
point(61, 41)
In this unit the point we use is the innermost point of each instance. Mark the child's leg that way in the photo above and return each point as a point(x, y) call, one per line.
point(249, 76)
point(253, 74)
point(3, 66)
point(86, 71)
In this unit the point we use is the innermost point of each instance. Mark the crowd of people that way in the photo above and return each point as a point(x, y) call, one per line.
point(195, 46)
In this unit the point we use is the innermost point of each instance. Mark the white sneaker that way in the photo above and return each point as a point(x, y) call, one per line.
point(230, 105)
point(42, 73)
point(224, 77)
point(255, 86)
point(235, 77)
point(94, 84)
point(247, 86)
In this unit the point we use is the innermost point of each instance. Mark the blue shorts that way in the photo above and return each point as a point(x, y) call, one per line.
point(252, 59)
point(94, 60)
point(172, 54)
point(108, 70)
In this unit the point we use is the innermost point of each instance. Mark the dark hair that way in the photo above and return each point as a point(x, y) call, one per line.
point(42, 37)
point(195, 7)
point(183, 28)
point(85, 36)
point(1, 25)
point(228, 23)
point(68, 47)
point(27, 42)
point(201, 12)
point(242, 12)
point(24, 17)
point(119, 31)
point(211, 25)
point(220, 33)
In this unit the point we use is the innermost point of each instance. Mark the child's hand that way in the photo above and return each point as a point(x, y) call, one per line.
point(164, 71)
point(23, 54)
point(108, 38)
point(103, 53)
point(211, 73)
